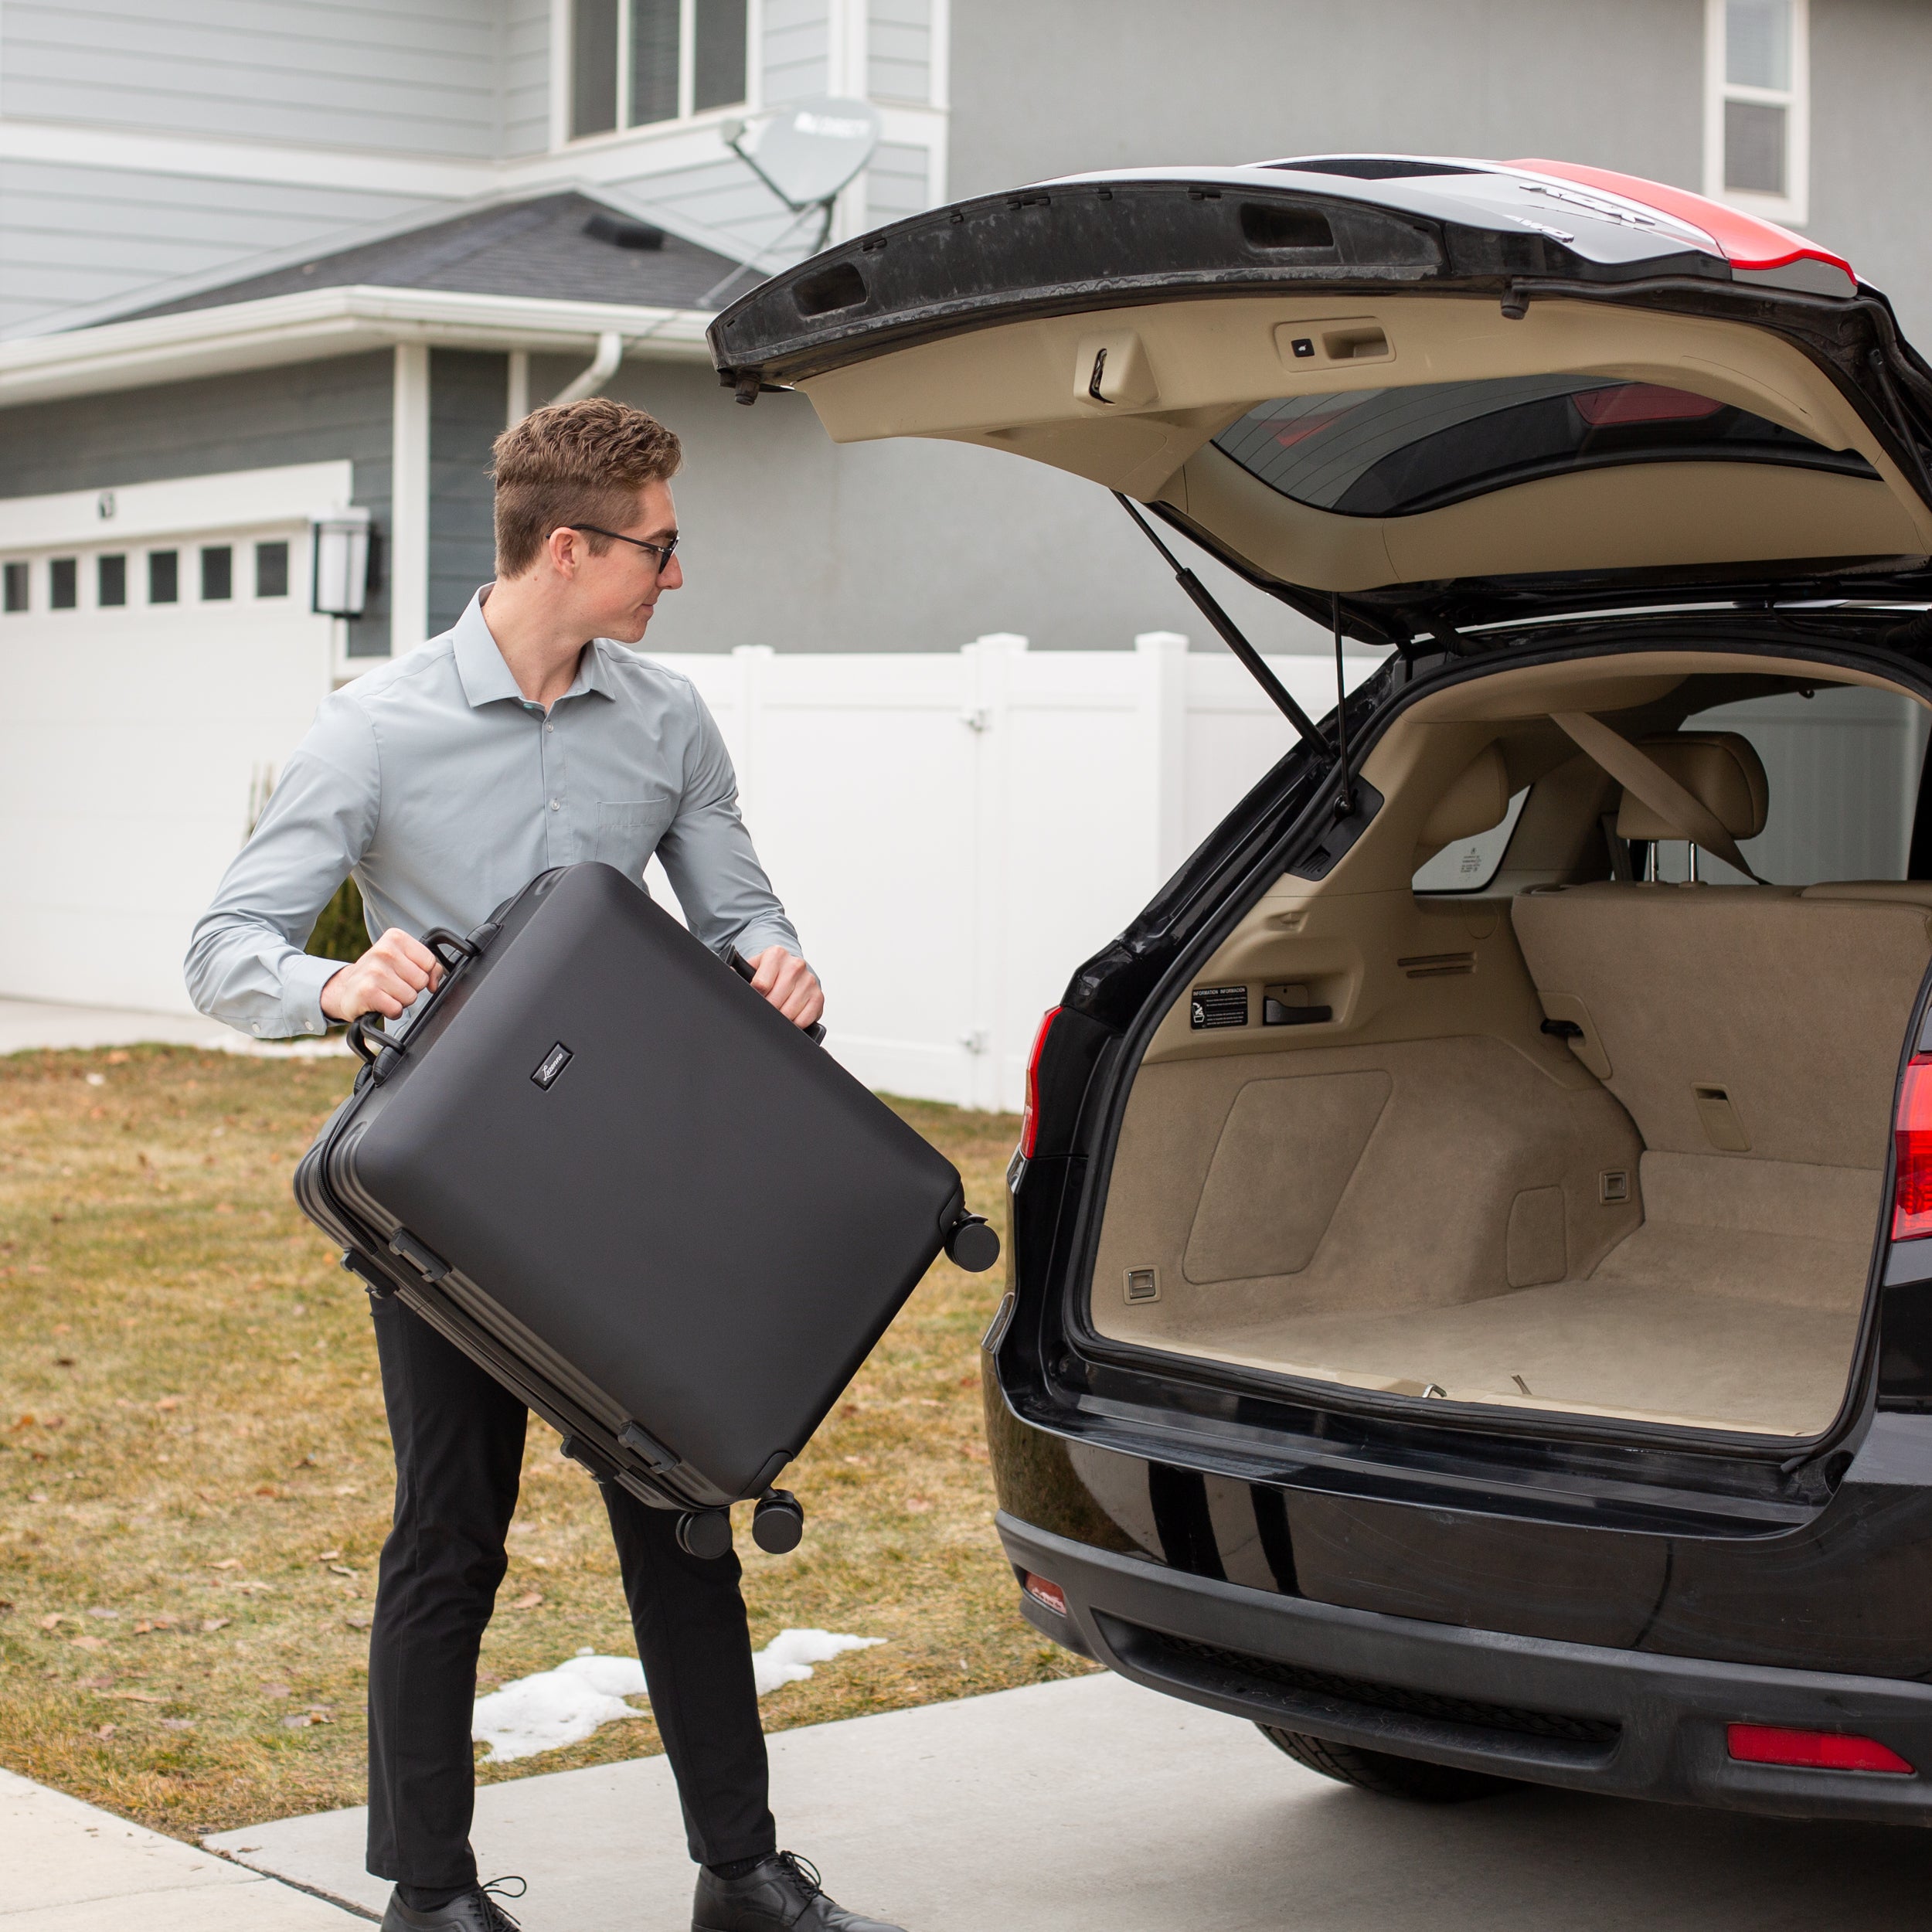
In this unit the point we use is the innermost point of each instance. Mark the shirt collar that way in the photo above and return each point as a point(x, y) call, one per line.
point(486, 678)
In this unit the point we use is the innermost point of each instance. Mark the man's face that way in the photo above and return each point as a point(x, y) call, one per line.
point(618, 591)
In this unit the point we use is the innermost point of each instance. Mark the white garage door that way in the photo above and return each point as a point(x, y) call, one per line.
point(160, 660)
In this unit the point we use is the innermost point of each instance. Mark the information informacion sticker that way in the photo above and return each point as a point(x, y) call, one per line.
point(1218, 1006)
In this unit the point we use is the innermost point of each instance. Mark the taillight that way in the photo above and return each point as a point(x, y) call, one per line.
point(1029, 1120)
point(1912, 1200)
point(1812, 1750)
point(1050, 1594)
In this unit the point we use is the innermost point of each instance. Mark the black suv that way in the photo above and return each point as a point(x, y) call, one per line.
point(1472, 1290)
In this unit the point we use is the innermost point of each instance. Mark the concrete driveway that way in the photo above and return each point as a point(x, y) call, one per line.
point(1091, 1805)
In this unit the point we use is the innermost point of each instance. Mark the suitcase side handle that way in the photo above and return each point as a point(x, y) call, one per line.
point(747, 972)
point(440, 941)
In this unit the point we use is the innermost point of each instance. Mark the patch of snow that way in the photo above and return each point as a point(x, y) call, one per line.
point(554, 1708)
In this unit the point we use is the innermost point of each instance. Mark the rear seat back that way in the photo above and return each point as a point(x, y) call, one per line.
point(1749, 1019)
point(1753, 1020)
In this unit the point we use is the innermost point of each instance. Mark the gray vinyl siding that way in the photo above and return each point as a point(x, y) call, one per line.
point(899, 49)
point(74, 235)
point(725, 206)
point(468, 395)
point(406, 77)
point(797, 49)
point(256, 419)
point(896, 182)
point(526, 77)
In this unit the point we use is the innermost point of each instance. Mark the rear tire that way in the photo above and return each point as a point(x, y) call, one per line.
point(1386, 1774)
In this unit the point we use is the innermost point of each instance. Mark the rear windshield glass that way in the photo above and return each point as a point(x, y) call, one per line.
point(1393, 452)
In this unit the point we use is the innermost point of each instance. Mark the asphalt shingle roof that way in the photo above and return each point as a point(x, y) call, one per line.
point(547, 246)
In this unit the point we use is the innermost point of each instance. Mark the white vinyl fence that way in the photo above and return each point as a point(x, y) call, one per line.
point(954, 832)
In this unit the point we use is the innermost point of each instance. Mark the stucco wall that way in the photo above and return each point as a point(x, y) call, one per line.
point(794, 542)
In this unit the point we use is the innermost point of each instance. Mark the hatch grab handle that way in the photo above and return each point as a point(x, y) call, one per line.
point(1343, 799)
point(1256, 665)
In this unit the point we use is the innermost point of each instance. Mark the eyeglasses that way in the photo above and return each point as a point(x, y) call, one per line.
point(662, 551)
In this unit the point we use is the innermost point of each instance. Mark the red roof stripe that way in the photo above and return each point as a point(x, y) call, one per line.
point(1747, 241)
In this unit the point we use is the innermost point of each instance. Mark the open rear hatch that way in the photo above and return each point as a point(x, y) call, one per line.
point(1468, 1150)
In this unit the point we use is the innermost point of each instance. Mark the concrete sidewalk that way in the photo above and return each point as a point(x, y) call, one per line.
point(66, 1867)
point(26, 1025)
point(1090, 1805)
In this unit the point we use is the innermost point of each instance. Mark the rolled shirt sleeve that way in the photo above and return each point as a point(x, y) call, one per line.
point(246, 965)
point(708, 855)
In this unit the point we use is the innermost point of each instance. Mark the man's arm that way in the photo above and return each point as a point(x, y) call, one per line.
point(246, 965)
point(708, 858)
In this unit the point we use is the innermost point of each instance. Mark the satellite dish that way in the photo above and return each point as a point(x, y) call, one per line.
point(806, 152)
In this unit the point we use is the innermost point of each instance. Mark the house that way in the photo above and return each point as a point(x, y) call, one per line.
point(266, 271)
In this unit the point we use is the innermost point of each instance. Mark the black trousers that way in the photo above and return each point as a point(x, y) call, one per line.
point(459, 1456)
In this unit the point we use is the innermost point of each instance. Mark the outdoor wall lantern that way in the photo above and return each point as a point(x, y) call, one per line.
point(340, 547)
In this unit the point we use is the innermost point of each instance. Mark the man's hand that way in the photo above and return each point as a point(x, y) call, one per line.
point(788, 983)
point(386, 979)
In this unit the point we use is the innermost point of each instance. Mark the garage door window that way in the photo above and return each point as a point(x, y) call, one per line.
point(16, 579)
point(110, 580)
point(163, 577)
point(217, 573)
point(271, 569)
point(63, 583)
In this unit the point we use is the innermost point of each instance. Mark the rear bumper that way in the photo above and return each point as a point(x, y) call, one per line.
point(1620, 1722)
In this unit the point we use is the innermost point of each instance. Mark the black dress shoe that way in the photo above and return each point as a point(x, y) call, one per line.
point(779, 1894)
point(472, 1911)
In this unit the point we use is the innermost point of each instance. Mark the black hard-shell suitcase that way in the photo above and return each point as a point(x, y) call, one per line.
point(622, 1183)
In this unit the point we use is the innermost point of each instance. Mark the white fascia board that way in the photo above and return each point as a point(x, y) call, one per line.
point(632, 156)
point(331, 322)
point(181, 506)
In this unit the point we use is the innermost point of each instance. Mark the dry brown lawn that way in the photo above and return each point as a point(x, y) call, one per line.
point(194, 1476)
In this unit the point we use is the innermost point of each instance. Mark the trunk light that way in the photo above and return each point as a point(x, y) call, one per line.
point(1029, 1120)
point(1912, 1198)
point(1812, 1750)
point(1053, 1595)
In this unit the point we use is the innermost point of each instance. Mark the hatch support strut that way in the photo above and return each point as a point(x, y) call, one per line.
point(1202, 600)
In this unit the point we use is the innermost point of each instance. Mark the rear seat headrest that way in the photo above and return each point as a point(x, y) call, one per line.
point(1720, 768)
point(1477, 802)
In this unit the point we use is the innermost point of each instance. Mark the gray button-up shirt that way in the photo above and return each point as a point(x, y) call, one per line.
point(444, 791)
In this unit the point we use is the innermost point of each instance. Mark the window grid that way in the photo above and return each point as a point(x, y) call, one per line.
point(1757, 106)
point(178, 575)
point(645, 63)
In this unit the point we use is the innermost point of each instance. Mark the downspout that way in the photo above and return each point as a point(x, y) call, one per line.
point(603, 366)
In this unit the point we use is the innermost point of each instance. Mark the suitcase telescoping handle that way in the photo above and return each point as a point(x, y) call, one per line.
point(747, 971)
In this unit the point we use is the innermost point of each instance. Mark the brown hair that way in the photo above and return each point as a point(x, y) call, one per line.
point(577, 463)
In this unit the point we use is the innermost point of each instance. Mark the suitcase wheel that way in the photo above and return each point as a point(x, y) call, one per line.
point(705, 1533)
point(972, 1245)
point(778, 1523)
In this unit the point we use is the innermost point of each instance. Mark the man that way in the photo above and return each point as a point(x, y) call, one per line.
point(444, 781)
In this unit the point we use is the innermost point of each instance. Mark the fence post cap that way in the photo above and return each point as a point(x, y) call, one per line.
point(1160, 640)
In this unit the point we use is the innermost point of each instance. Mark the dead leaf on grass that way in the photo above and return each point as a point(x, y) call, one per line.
point(358, 1619)
point(227, 1562)
point(88, 1643)
point(211, 1623)
point(137, 1697)
point(51, 1621)
point(168, 1402)
point(529, 1600)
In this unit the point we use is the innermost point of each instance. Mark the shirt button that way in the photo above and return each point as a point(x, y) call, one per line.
point(556, 804)
point(549, 727)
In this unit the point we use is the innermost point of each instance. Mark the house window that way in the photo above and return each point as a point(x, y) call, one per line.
point(633, 63)
point(16, 582)
point(163, 577)
point(63, 583)
point(217, 573)
point(110, 580)
point(271, 569)
point(1758, 105)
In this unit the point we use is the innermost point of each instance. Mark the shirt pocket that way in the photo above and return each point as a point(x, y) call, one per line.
point(628, 830)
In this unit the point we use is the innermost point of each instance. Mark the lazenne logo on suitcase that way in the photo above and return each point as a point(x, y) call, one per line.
point(553, 1063)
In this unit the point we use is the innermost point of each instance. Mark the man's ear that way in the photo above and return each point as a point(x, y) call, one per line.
point(563, 548)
